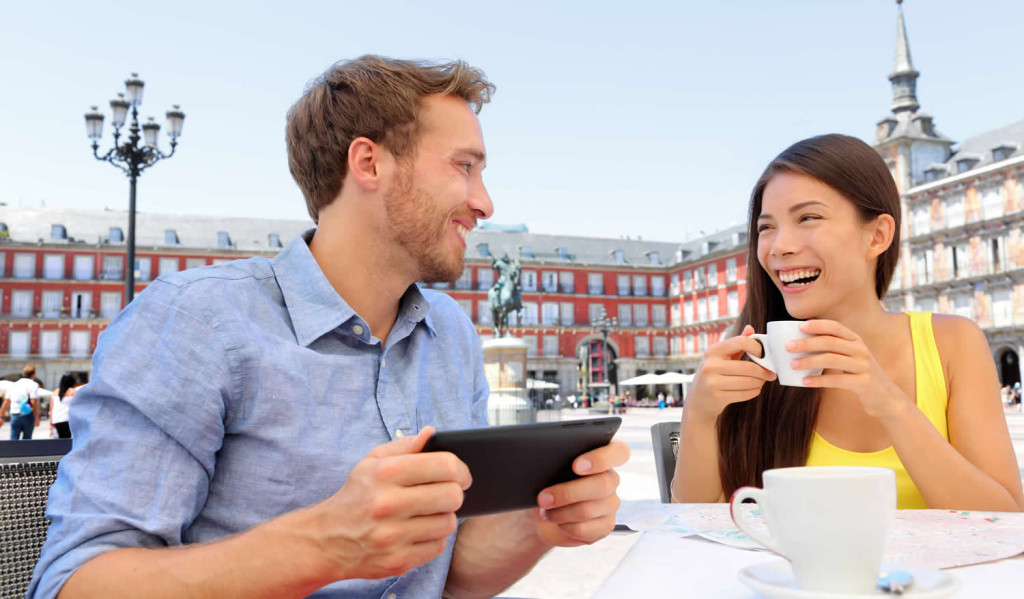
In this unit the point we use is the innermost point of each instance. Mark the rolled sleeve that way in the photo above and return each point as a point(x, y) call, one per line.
point(146, 433)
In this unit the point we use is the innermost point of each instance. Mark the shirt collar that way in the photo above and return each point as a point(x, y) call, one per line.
point(314, 306)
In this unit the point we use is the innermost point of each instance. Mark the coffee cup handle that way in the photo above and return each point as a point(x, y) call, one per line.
point(740, 517)
point(764, 361)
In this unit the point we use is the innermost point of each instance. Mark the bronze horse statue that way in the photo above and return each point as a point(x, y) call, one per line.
point(505, 296)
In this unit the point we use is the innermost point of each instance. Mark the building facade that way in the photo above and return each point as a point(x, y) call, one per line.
point(963, 251)
point(661, 303)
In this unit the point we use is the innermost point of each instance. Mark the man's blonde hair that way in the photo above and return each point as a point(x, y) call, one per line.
point(373, 97)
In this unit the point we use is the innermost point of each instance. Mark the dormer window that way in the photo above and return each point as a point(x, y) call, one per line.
point(525, 251)
point(1002, 152)
point(116, 235)
point(965, 164)
point(707, 247)
point(274, 240)
point(170, 237)
point(223, 239)
point(653, 257)
point(58, 233)
point(934, 172)
point(563, 253)
point(619, 256)
point(484, 250)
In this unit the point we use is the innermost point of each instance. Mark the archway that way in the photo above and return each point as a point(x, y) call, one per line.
point(1009, 368)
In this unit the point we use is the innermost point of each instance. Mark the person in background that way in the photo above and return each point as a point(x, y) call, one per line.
point(60, 404)
point(22, 401)
point(913, 392)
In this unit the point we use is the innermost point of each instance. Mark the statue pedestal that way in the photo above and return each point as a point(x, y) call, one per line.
point(505, 369)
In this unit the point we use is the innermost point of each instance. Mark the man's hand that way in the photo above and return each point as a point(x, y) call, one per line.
point(395, 511)
point(582, 511)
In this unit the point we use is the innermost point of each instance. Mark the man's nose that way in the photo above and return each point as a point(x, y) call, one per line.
point(480, 201)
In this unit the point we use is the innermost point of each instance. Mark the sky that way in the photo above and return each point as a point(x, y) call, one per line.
point(611, 119)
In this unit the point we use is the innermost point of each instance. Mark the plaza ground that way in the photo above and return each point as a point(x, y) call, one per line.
point(577, 573)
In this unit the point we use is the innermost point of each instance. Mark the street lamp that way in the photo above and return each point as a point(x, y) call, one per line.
point(129, 156)
point(605, 324)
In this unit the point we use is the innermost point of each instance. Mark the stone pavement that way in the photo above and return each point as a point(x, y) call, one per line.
point(578, 572)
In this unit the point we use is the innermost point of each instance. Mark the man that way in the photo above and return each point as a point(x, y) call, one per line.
point(311, 383)
point(22, 401)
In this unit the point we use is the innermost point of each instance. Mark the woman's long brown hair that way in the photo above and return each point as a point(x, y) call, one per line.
point(774, 429)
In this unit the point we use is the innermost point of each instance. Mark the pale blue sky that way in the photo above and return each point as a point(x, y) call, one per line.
point(610, 119)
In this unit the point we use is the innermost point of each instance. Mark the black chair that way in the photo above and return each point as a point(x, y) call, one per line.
point(665, 437)
point(27, 469)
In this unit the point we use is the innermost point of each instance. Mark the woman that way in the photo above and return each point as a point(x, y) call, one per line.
point(917, 393)
point(60, 405)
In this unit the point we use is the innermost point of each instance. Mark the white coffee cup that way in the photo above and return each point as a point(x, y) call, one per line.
point(776, 358)
point(830, 522)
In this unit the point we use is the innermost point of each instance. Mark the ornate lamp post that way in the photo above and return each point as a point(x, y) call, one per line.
point(605, 324)
point(129, 156)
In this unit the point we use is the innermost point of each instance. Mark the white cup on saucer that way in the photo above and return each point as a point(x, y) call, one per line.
point(830, 522)
point(776, 358)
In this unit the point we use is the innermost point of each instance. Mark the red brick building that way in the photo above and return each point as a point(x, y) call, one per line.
point(62, 280)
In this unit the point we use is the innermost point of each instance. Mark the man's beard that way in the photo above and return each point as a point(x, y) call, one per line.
point(416, 226)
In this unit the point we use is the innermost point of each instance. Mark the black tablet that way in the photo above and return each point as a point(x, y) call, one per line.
point(511, 465)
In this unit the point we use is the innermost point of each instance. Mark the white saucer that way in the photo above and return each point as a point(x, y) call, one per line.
point(774, 580)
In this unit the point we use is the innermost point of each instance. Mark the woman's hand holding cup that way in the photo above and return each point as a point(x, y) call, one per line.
point(725, 378)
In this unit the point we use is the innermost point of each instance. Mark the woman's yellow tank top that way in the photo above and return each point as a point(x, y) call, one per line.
point(931, 399)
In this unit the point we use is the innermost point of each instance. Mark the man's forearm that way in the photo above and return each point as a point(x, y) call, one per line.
point(491, 553)
point(270, 560)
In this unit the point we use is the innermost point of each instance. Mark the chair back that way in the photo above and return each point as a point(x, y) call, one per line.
point(665, 437)
point(27, 469)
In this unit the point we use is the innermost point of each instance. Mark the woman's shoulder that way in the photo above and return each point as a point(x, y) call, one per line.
point(953, 329)
point(961, 342)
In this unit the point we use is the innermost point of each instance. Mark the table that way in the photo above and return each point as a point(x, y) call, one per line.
point(667, 565)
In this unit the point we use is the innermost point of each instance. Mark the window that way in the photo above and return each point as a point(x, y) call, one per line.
point(530, 316)
point(657, 286)
point(223, 239)
point(566, 282)
point(19, 344)
point(79, 343)
point(21, 303)
point(677, 315)
point(53, 266)
point(677, 346)
point(110, 304)
point(549, 281)
point(623, 281)
point(565, 312)
point(594, 312)
point(191, 263)
point(1002, 308)
point(654, 257)
point(712, 274)
point(24, 266)
point(467, 307)
point(595, 283)
point(168, 266)
point(3, 262)
point(688, 345)
point(687, 281)
point(529, 279)
point(625, 315)
point(49, 344)
point(639, 285)
point(619, 256)
point(83, 268)
point(702, 342)
point(465, 281)
point(484, 278)
point(52, 301)
point(81, 304)
point(549, 314)
point(658, 315)
point(58, 233)
point(640, 315)
point(274, 240)
point(733, 300)
point(526, 251)
point(483, 312)
point(143, 267)
point(698, 278)
point(113, 268)
point(688, 312)
point(170, 237)
point(550, 346)
point(642, 346)
point(713, 307)
point(483, 250)
point(660, 347)
point(962, 306)
point(730, 270)
point(954, 211)
point(674, 284)
point(531, 345)
point(702, 309)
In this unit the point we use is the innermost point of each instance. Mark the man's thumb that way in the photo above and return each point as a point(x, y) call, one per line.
point(405, 445)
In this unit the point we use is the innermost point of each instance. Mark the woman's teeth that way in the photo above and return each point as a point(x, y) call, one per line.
point(799, 278)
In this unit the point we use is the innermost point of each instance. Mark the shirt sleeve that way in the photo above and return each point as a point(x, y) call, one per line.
point(146, 432)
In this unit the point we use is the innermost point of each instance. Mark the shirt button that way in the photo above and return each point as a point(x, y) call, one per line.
point(392, 596)
point(357, 329)
point(399, 433)
point(383, 363)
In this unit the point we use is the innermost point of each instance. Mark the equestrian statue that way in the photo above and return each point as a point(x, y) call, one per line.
point(505, 295)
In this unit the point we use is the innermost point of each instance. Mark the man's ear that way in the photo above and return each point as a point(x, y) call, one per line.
point(883, 231)
point(364, 163)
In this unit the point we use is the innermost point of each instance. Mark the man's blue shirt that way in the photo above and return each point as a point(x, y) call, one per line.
point(225, 396)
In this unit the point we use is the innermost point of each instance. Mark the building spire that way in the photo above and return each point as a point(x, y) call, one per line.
point(903, 77)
